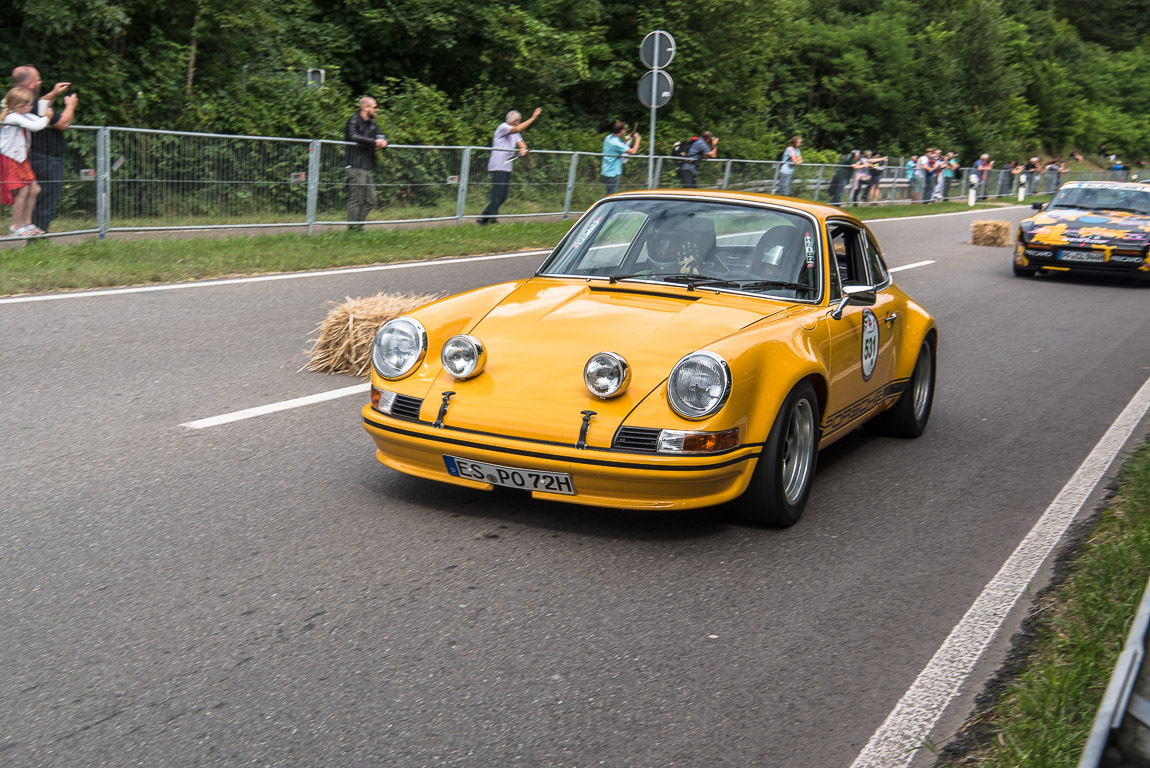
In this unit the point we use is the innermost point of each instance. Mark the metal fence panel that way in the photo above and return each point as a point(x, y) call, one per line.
point(120, 179)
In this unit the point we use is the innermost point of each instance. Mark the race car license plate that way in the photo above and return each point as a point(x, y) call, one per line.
point(512, 477)
point(1089, 256)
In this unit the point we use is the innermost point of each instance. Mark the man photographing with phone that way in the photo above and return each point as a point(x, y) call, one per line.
point(48, 147)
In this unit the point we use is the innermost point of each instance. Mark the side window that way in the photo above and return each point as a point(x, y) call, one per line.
point(876, 265)
point(848, 248)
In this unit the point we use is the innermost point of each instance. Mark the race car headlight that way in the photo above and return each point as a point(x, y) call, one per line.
point(678, 441)
point(699, 385)
point(463, 356)
point(606, 374)
point(399, 346)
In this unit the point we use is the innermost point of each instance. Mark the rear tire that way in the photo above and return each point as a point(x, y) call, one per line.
point(910, 414)
point(781, 482)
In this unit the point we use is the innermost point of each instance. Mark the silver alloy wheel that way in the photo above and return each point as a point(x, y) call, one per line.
point(798, 450)
point(923, 377)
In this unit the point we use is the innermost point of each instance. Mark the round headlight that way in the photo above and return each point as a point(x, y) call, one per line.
point(699, 385)
point(463, 356)
point(606, 374)
point(399, 346)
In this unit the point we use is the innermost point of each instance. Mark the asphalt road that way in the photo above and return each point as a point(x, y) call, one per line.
point(264, 593)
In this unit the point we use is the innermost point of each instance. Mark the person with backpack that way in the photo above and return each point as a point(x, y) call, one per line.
point(790, 158)
point(706, 145)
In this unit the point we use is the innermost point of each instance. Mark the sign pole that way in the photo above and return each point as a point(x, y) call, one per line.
point(651, 133)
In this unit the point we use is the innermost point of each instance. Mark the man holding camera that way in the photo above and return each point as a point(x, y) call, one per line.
point(48, 147)
point(615, 145)
point(366, 137)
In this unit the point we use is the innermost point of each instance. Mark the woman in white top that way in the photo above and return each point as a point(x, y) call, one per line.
point(18, 187)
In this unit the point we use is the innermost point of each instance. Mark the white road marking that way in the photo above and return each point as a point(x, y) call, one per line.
point(265, 278)
point(941, 215)
point(911, 721)
point(911, 266)
point(285, 405)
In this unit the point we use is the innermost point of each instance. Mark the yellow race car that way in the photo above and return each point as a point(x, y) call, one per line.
point(677, 349)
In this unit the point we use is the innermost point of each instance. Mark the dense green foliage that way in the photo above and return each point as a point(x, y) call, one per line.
point(1005, 76)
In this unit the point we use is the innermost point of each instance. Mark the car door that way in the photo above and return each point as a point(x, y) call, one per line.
point(862, 340)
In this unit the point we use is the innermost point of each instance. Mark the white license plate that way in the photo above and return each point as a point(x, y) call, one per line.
point(1091, 256)
point(512, 477)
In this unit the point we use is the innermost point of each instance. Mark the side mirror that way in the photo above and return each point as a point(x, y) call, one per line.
point(858, 295)
point(1037, 206)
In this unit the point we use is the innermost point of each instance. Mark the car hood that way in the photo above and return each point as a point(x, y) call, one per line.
point(1068, 226)
point(539, 338)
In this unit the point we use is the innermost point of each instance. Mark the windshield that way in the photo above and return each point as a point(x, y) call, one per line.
point(1104, 198)
point(720, 246)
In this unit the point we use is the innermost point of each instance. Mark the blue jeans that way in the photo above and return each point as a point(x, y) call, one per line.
point(50, 175)
point(611, 183)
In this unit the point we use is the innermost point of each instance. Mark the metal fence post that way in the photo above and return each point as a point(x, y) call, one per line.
point(727, 174)
point(818, 183)
point(103, 179)
point(658, 172)
point(570, 184)
point(313, 159)
point(464, 176)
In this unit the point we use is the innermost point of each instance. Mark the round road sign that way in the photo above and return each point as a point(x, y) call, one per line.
point(657, 49)
point(664, 87)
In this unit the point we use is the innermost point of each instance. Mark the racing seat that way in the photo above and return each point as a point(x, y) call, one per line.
point(682, 247)
point(779, 256)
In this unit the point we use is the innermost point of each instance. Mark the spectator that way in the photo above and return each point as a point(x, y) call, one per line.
point(913, 180)
point(878, 166)
point(925, 171)
point(365, 136)
point(949, 174)
point(18, 187)
point(861, 178)
point(1028, 176)
point(47, 149)
point(615, 145)
point(1051, 174)
point(1076, 155)
point(842, 177)
point(504, 143)
point(981, 177)
point(706, 146)
point(791, 158)
point(1006, 177)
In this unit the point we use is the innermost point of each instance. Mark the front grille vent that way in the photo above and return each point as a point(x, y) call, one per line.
point(640, 439)
point(406, 407)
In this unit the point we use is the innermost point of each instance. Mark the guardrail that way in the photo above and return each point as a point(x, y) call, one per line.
point(130, 179)
point(1122, 724)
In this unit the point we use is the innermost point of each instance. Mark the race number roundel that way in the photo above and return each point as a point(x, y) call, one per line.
point(869, 343)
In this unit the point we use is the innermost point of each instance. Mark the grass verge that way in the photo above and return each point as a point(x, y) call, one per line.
point(46, 265)
point(1040, 711)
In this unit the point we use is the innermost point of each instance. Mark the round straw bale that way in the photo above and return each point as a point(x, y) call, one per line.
point(343, 340)
point(990, 232)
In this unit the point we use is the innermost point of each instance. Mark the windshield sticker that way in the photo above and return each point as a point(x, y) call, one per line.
point(869, 343)
point(587, 230)
point(809, 245)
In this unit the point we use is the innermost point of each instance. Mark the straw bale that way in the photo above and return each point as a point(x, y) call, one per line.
point(990, 232)
point(343, 341)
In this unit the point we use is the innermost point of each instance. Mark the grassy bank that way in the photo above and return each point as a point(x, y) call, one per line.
point(1044, 711)
point(47, 265)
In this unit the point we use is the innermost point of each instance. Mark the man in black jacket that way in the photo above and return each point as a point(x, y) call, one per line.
point(360, 158)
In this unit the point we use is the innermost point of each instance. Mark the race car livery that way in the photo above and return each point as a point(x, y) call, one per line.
point(1089, 226)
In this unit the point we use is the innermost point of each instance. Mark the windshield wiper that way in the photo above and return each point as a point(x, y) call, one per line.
point(1125, 210)
point(776, 284)
point(691, 281)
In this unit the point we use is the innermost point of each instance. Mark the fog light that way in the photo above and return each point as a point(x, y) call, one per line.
point(678, 441)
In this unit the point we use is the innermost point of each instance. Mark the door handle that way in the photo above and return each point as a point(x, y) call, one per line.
point(890, 318)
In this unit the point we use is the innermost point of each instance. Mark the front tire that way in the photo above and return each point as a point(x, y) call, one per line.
point(909, 415)
point(781, 482)
point(1023, 271)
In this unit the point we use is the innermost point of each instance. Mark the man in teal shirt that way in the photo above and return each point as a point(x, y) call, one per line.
point(615, 145)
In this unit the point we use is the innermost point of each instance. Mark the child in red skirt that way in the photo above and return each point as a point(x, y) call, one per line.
point(18, 187)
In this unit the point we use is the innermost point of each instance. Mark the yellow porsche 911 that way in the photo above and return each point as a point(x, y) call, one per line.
point(677, 349)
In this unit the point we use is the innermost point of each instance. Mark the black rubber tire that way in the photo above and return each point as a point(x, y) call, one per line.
point(910, 414)
point(1023, 271)
point(781, 482)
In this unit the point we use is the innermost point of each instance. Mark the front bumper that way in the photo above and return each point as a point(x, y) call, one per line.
point(602, 478)
point(1046, 258)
